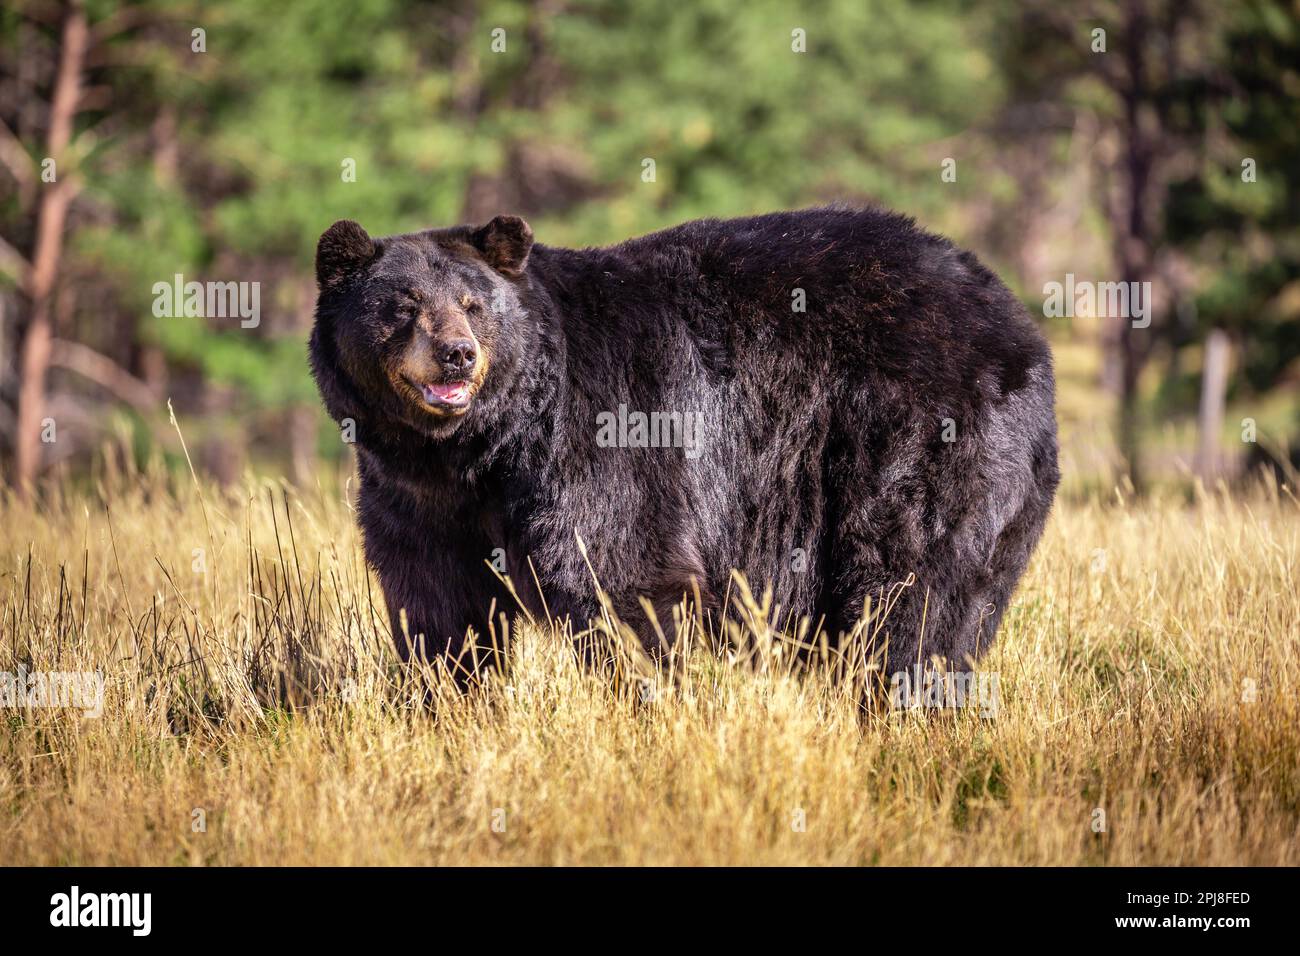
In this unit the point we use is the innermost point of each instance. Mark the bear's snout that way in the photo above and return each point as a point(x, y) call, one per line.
point(458, 357)
point(442, 363)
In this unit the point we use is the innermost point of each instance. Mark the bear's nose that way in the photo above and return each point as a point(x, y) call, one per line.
point(458, 356)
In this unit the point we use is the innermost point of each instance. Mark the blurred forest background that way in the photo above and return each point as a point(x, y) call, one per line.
point(1140, 140)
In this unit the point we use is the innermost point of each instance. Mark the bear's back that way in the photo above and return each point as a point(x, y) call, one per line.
point(865, 287)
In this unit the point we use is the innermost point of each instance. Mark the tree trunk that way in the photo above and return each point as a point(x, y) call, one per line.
point(1134, 241)
point(302, 445)
point(51, 214)
point(1214, 393)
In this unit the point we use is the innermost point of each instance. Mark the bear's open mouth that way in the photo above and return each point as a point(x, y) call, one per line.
point(444, 396)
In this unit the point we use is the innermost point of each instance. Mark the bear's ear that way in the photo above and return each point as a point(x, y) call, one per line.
point(505, 243)
point(343, 249)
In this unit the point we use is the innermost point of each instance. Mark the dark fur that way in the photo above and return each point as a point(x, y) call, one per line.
point(824, 428)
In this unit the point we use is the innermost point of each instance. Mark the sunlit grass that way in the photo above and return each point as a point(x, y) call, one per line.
point(1149, 684)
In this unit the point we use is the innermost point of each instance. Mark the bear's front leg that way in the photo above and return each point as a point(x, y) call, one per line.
point(439, 587)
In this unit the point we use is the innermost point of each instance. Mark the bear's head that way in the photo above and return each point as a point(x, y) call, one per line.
point(423, 331)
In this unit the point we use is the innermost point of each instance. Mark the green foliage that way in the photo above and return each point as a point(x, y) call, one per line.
point(414, 94)
point(737, 122)
point(227, 164)
point(1248, 225)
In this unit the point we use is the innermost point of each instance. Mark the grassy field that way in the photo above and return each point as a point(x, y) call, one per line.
point(1149, 709)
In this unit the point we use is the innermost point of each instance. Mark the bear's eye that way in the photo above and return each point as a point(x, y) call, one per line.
point(470, 304)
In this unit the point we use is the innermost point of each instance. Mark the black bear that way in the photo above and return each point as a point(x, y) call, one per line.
point(832, 401)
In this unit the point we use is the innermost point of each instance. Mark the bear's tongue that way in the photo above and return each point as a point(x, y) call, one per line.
point(451, 393)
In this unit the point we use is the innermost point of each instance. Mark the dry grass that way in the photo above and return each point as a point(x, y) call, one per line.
point(264, 693)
